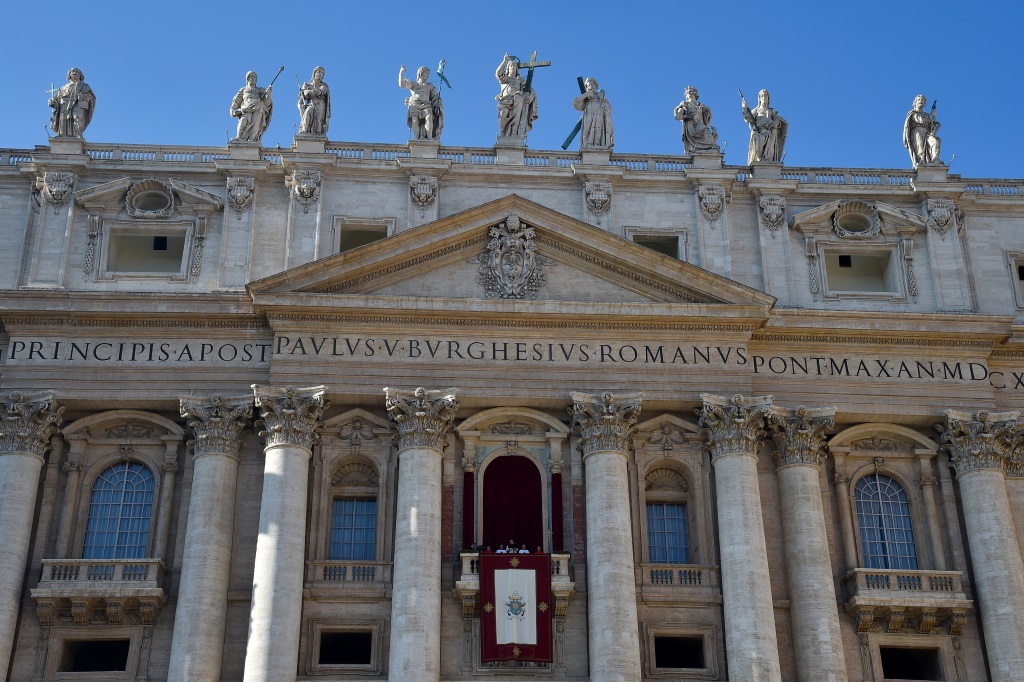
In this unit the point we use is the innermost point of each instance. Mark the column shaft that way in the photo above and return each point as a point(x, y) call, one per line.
point(998, 572)
point(198, 645)
point(557, 527)
point(468, 504)
point(416, 593)
point(817, 641)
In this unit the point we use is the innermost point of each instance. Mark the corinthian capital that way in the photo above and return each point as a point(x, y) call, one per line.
point(733, 424)
point(605, 422)
point(217, 422)
point(799, 434)
point(983, 440)
point(421, 417)
point(290, 416)
point(27, 420)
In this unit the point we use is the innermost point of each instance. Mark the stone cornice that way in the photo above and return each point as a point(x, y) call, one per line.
point(606, 421)
point(733, 425)
point(27, 420)
point(421, 417)
point(981, 440)
point(217, 422)
point(799, 434)
point(290, 416)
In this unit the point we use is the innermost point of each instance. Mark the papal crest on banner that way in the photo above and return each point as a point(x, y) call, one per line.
point(515, 616)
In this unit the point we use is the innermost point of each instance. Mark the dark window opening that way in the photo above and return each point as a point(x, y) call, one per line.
point(845, 261)
point(352, 238)
point(910, 664)
point(679, 652)
point(1020, 272)
point(95, 655)
point(346, 648)
point(159, 243)
point(666, 245)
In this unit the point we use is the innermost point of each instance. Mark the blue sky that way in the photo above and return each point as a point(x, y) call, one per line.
point(842, 74)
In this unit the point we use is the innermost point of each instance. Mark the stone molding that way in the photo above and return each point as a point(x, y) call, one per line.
point(290, 416)
point(981, 440)
point(799, 434)
point(217, 423)
point(733, 425)
point(421, 417)
point(27, 420)
point(606, 421)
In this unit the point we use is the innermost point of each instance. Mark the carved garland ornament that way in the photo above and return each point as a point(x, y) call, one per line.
point(511, 268)
point(55, 187)
point(241, 192)
point(773, 212)
point(355, 432)
point(421, 417)
point(217, 422)
point(940, 215)
point(305, 186)
point(712, 202)
point(27, 420)
point(799, 434)
point(978, 441)
point(599, 197)
point(423, 191)
point(290, 416)
point(605, 422)
point(733, 425)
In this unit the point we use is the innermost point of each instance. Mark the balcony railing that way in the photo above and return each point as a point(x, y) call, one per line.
point(467, 588)
point(72, 574)
point(891, 583)
point(897, 597)
point(471, 566)
point(680, 576)
point(333, 572)
point(86, 590)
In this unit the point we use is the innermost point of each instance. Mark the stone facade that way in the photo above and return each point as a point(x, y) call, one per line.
point(818, 371)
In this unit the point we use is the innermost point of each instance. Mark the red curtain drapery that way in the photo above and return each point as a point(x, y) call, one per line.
point(512, 503)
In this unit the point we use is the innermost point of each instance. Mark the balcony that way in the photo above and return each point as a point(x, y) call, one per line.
point(924, 599)
point(467, 587)
point(674, 583)
point(341, 580)
point(112, 591)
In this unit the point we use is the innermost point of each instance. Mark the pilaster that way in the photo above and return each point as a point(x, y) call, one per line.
point(422, 419)
point(799, 447)
point(733, 427)
point(289, 418)
point(605, 424)
point(197, 645)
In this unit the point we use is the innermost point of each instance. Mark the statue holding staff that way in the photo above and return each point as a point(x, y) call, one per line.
point(768, 130)
point(919, 134)
point(73, 105)
point(426, 111)
point(314, 104)
point(597, 129)
point(253, 107)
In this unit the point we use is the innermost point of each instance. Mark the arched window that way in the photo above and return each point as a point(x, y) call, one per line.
point(119, 513)
point(883, 515)
point(668, 529)
point(353, 513)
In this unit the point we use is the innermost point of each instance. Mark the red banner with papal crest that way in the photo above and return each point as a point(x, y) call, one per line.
point(515, 607)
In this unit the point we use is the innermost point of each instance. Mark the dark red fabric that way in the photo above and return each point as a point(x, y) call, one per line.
point(467, 509)
point(492, 606)
point(556, 513)
point(512, 503)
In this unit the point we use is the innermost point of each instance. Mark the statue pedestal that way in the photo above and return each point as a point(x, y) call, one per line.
point(932, 172)
point(763, 170)
point(595, 157)
point(510, 150)
point(248, 151)
point(707, 160)
point(310, 144)
point(424, 149)
point(67, 146)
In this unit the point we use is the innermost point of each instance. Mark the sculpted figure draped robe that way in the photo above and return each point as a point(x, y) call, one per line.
point(514, 105)
point(919, 134)
point(767, 130)
point(597, 130)
point(253, 107)
point(698, 133)
point(315, 105)
point(426, 111)
point(72, 106)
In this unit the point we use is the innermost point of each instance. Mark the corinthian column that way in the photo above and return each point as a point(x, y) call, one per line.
point(799, 446)
point(979, 446)
point(733, 426)
point(27, 420)
point(290, 417)
point(422, 419)
point(198, 643)
point(605, 424)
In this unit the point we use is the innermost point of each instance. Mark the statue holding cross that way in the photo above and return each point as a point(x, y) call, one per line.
point(517, 101)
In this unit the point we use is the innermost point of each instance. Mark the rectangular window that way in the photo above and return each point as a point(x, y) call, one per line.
point(345, 648)
point(353, 529)
point(668, 241)
point(668, 537)
point(910, 664)
point(679, 652)
point(94, 655)
point(871, 272)
point(145, 253)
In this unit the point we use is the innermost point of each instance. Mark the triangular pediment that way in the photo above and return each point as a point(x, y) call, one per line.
point(486, 251)
point(876, 217)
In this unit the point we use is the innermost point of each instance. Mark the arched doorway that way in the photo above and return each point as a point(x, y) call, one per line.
point(512, 503)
